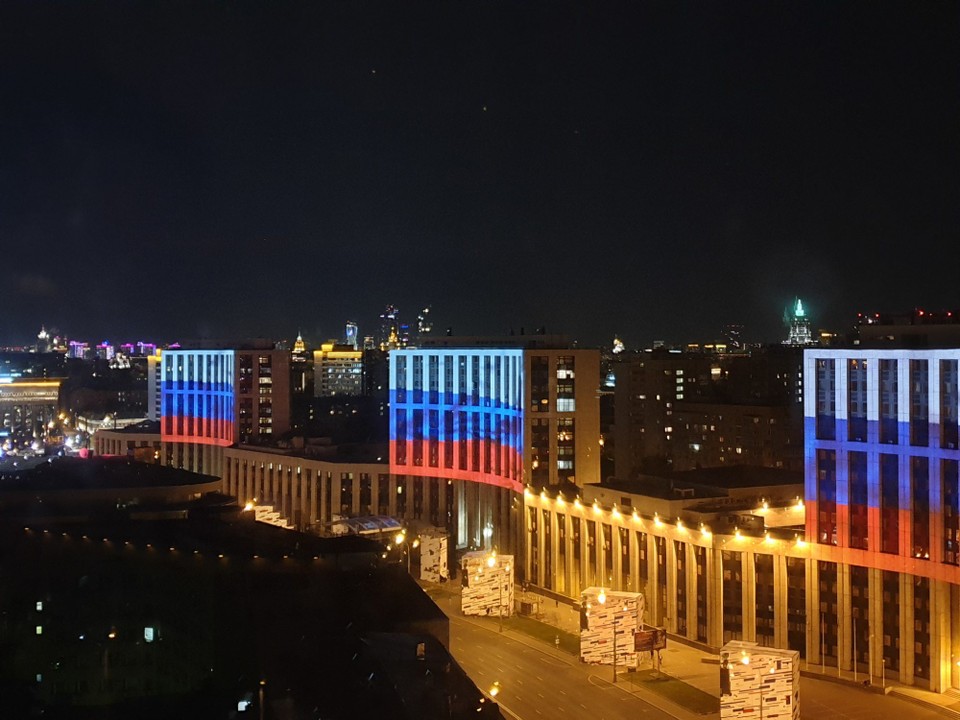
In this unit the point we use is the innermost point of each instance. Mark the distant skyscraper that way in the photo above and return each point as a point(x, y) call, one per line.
point(798, 325)
point(389, 325)
point(351, 334)
point(43, 340)
point(424, 322)
point(299, 353)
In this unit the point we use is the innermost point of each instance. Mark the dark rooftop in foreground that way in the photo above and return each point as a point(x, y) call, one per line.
point(96, 473)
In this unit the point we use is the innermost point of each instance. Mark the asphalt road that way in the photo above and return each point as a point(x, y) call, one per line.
point(536, 684)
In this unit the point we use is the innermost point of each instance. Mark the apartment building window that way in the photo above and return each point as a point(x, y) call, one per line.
point(461, 379)
point(547, 549)
point(857, 499)
point(418, 437)
point(827, 497)
point(732, 595)
point(625, 577)
point(418, 378)
point(889, 399)
point(400, 380)
point(797, 605)
point(448, 380)
point(433, 370)
point(891, 620)
point(463, 433)
point(920, 491)
point(448, 438)
point(763, 576)
point(951, 511)
point(919, 392)
point(700, 558)
point(860, 613)
point(949, 401)
point(828, 610)
point(566, 447)
point(433, 438)
point(475, 381)
point(400, 441)
point(890, 504)
point(680, 551)
point(540, 450)
point(826, 400)
point(539, 384)
point(660, 545)
point(566, 389)
point(921, 627)
point(857, 401)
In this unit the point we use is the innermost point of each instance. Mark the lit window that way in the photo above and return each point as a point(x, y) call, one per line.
point(39, 629)
point(148, 634)
point(39, 605)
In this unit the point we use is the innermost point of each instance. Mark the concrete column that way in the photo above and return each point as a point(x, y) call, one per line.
point(906, 628)
point(541, 548)
point(954, 600)
point(941, 658)
point(748, 571)
point(569, 585)
point(585, 577)
point(392, 500)
point(355, 495)
point(322, 516)
point(336, 494)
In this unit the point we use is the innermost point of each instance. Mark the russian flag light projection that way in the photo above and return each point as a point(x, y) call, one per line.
point(881, 445)
point(458, 414)
point(197, 397)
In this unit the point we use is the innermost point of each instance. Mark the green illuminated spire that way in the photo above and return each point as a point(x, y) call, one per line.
point(798, 309)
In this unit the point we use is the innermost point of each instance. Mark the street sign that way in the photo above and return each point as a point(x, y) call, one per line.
point(649, 638)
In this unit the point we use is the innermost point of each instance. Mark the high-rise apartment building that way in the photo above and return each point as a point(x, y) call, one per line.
point(337, 370)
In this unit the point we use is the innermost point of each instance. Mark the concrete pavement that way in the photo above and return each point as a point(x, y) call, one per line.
point(820, 698)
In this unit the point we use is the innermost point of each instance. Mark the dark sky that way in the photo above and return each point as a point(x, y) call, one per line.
point(657, 170)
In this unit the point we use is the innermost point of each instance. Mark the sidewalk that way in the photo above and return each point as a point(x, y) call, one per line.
point(690, 666)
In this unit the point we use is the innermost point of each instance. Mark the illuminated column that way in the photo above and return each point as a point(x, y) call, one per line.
point(584, 556)
point(600, 555)
point(653, 581)
point(541, 546)
point(321, 508)
point(941, 659)
point(336, 495)
point(568, 574)
point(282, 480)
point(748, 570)
point(954, 600)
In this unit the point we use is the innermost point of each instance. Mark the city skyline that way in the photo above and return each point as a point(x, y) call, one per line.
point(651, 171)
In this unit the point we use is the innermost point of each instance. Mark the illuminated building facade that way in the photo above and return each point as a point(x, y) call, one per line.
point(337, 370)
point(213, 398)
point(861, 573)
point(798, 325)
point(197, 408)
point(27, 407)
point(489, 420)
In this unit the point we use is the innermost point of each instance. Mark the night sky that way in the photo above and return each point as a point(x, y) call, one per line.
point(657, 170)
